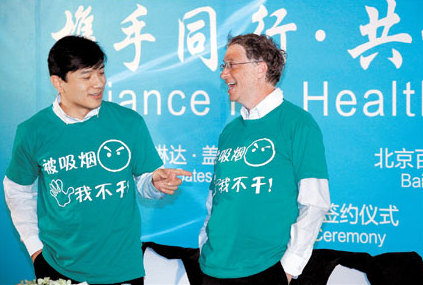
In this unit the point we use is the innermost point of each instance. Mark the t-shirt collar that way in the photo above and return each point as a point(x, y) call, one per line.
point(268, 104)
point(68, 119)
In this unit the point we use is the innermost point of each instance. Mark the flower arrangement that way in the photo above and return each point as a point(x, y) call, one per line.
point(47, 281)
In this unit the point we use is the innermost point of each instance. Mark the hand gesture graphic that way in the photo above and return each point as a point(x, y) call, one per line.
point(56, 190)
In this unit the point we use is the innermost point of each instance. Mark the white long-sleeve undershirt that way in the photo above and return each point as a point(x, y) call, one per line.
point(313, 203)
point(22, 199)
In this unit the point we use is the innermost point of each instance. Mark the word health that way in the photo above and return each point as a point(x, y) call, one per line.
point(373, 103)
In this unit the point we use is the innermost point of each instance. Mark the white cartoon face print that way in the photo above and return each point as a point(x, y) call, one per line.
point(260, 152)
point(114, 155)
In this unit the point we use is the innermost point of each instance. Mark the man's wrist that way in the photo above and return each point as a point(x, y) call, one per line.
point(34, 256)
point(33, 244)
point(293, 264)
point(288, 277)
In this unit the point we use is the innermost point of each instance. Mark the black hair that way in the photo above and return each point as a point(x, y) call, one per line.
point(72, 53)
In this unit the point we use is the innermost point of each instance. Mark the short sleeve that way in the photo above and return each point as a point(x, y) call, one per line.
point(308, 151)
point(146, 158)
point(23, 168)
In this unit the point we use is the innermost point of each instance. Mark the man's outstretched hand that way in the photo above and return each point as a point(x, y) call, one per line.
point(167, 181)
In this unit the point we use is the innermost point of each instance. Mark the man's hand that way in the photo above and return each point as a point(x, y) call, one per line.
point(34, 256)
point(289, 277)
point(166, 180)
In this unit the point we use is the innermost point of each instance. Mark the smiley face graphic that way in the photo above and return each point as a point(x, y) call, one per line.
point(260, 152)
point(114, 155)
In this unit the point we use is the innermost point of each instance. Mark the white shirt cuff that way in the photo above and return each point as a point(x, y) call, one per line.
point(33, 244)
point(293, 264)
point(146, 188)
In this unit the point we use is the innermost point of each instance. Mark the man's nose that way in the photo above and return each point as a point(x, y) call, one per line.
point(224, 73)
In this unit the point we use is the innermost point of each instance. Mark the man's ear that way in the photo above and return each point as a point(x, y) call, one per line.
point(57, 82)
point(262, 69)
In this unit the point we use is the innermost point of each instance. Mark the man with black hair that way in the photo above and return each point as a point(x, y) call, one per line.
point(90, 158)
point(270, 191)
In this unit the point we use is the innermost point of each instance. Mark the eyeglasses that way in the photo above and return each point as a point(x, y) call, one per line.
point(229, 65)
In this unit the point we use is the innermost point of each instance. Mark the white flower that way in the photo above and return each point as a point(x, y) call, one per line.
point(47, 281)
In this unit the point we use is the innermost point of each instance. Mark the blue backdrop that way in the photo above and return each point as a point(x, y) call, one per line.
point(355, 65)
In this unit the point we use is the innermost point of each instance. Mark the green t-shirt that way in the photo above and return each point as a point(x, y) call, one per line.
point(255, 188)
point(87, 212)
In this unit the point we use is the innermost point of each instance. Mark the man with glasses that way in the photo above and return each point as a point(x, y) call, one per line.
point(270, 191)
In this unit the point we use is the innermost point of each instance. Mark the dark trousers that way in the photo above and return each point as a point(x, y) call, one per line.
point(274, 275)
point(43, 269)
point(189, 257)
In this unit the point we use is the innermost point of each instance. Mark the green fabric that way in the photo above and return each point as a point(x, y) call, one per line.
point(87, 212)
point(257, 171)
